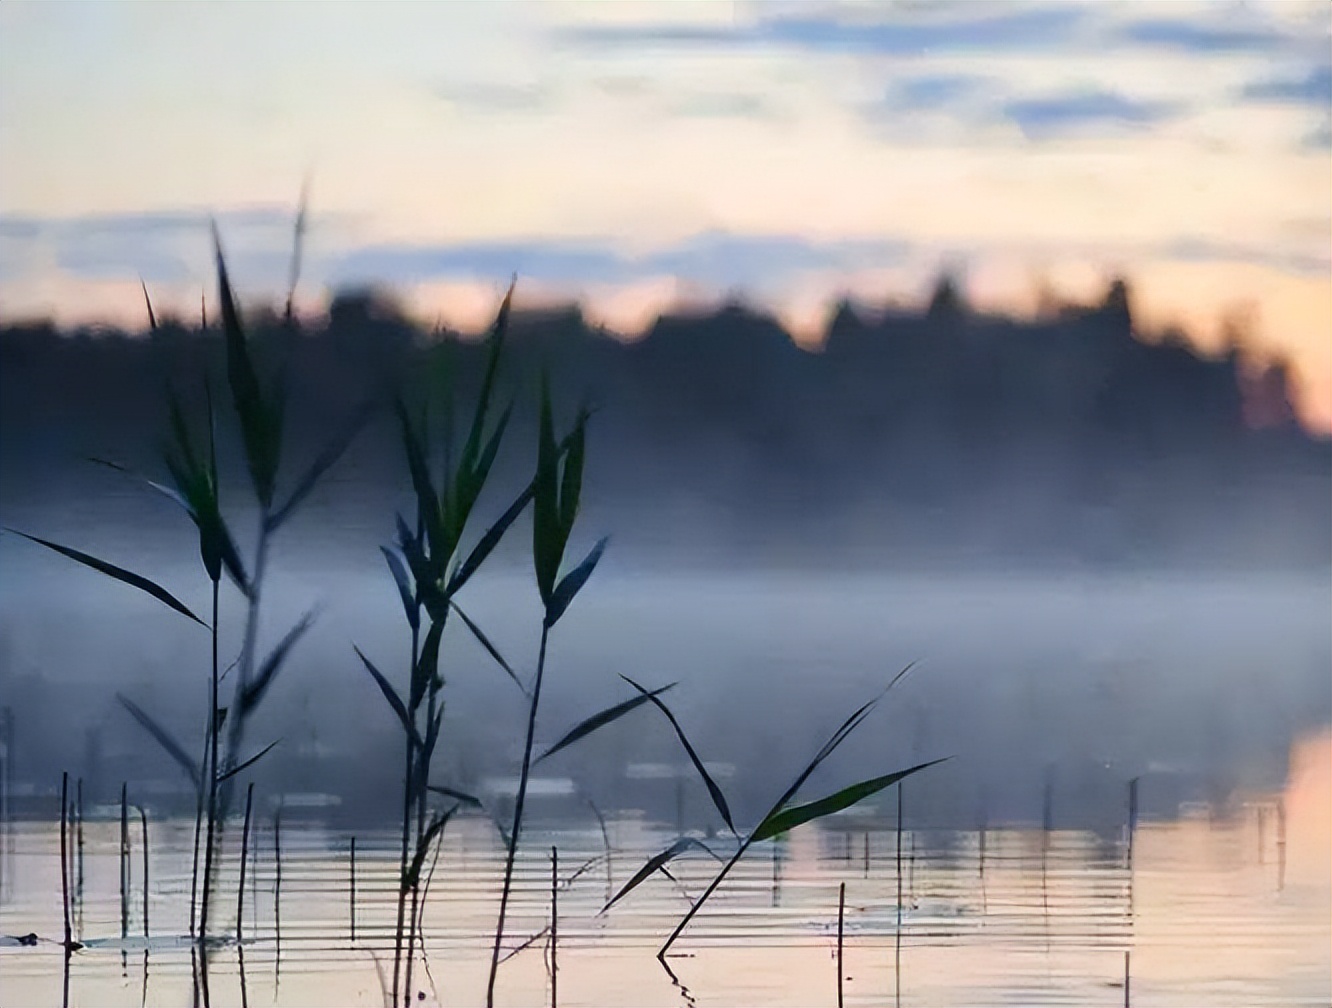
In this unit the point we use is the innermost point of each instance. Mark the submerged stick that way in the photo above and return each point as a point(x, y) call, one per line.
point(245, 850)
point(143, 822)
point(554, 926)
point(124, 861)
point(897, 931)
point(78, 889)
point(841, 922)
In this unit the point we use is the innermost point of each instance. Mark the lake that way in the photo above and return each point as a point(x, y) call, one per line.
point(1217, 907)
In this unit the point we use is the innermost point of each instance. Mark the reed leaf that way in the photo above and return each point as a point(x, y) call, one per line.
point(572, 582)
point(163, 738)
point(426, 671)
point(394, 701)
point(789, 819)
point(427, 501)
point(238, 768)
point(148, 303)
point(256, 688)
point(654, 864)
point(490, 648)
point(487, 543)
point(413, 873)
point(323, 462)
point(547, 540)
point(601, 719)
point(718, 799)
point(119, 573)
point(259, 419)
point(400, 578)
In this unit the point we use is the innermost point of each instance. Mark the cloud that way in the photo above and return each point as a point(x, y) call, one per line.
point(1059, 115)
point(1312, 88)
point(1203, 37)
point(165, 246)
point(714, 259)
point(727, 105)
point(935, 92)
point(900, 31)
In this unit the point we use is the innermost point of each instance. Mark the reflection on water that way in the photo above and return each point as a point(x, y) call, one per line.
point(1213, 910)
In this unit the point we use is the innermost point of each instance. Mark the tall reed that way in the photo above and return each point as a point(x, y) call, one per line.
point(429, 567)
point(194, 487)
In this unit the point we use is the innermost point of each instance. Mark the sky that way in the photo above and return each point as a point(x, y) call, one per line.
point(639, 155)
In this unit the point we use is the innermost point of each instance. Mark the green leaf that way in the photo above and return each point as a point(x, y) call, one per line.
point(789, 819)
point(426, 751)
point(394, 701)
point(654, 864)
point(400, 578)
point(256, 688)
point(260, 421)
point(572, 582)
point(427, 502)
point(164, 738)
point(468, 462)
point(718, 799)
point(490, 648)
point(119, 573)
point(600, 720)
point(547, 541)
point(427, 666)
point(233, 771)
point(571, 485)
point(487, 543)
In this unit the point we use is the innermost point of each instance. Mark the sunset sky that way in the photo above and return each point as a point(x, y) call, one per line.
point(634, 154)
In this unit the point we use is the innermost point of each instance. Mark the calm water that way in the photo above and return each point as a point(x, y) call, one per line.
point(1213, 911)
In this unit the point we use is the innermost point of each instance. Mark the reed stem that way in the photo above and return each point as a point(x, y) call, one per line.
point(519, 802)
point(841, 923)
point(245, 850)
point(64, 877)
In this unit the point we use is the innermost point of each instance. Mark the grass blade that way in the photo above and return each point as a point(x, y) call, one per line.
point(600, 720)
point(399, 572)
point(325, 461)
point(426, 671)
point(572, 582)
point(718, 799)
point(413, 875)
point(256, 688)
point(391, 696)
point(490, 648)
point(427, 501)
point(148, 303)
point(164, 738)
point(656, 863)
point(487, 543)
point(788, 819)
point(233, 771)
point(119, 573)
point(172, 495)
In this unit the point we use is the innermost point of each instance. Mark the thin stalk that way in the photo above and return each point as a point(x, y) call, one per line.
point(277, 885)
point(211, 838)
point(407, 784)
point(64, 876)
point(143, 822)
point(517, 817)
point(245, 850)
point(204, 769)
point(351, 898)
point(841, 924)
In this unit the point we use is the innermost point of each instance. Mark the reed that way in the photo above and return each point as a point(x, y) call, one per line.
point(429, 567)
point(245, 850)
point(554, 926)
point(143, 824)
point(351, 889)
point(195, 488)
